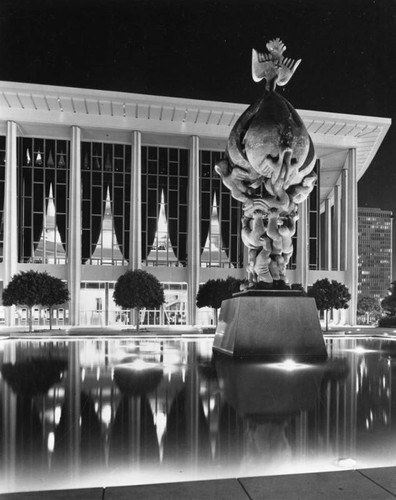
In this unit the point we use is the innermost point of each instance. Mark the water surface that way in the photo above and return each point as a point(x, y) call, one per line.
point(98, 412)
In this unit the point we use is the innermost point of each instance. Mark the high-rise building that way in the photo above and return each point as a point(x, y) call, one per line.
point(375, 251)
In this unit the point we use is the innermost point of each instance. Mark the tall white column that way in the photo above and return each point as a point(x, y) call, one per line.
point(302, 260)
point(344, 216)
point(135, 228)
point(336, 228)
point(352, 238)
point(10, 251)
point(74, 242)
point(193, 239)
point(328, 236)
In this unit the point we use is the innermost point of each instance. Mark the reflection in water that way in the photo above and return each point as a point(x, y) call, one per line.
point(102, 412)
point(271, 398)
point(133, 438)
point(32, 377)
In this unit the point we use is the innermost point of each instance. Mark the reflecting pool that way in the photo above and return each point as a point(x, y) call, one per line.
point(100, 412)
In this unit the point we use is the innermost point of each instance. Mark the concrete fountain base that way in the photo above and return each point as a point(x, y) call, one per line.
point(273, 324)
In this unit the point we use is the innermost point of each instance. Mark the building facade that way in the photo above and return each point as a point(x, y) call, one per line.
point(375, 227)
point(93, 183)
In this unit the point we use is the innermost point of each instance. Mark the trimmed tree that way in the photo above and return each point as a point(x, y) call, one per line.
point(388, 304)
point(137, 289)
point(368, 307)
point(32, 288)
point(329, 295)
point(213, 292)
point(54, 292)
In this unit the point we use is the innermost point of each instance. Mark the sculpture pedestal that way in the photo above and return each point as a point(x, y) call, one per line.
point(274, 324)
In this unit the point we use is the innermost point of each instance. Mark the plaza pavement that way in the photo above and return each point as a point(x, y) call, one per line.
point(372, 484)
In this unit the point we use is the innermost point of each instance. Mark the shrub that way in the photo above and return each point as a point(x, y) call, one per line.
point(387, 321)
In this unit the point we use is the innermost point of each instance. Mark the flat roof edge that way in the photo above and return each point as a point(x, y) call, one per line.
point(59, 91)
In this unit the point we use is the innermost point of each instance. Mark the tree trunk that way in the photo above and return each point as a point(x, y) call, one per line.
point(50, 317)
point(30, 319)
point(137, 313)
point(327, 320)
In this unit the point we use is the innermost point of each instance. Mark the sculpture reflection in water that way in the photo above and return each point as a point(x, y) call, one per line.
point(150, 411)
point(269, 167)
point(268, 397)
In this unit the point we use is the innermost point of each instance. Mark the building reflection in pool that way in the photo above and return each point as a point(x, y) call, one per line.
point(100, 412)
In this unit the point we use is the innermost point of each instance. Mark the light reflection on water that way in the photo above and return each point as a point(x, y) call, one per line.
point(103, 412)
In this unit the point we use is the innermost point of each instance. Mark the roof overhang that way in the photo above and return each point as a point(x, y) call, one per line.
point(41, 110)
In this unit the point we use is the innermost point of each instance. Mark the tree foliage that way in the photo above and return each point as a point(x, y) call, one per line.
point(329, 295)
point(31, 288)
point(368, 309)
point(367, 304)
point(54, 291)
point(388, 304)
point(138, 289)
point(213, 292)
point(24, 289)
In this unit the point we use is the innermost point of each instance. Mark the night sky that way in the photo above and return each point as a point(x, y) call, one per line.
point(201, 49)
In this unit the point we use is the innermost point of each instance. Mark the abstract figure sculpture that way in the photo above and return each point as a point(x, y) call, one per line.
point(269, 166)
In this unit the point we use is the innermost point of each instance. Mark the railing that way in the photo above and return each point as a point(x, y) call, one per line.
point(40, 317)
point(148, 317)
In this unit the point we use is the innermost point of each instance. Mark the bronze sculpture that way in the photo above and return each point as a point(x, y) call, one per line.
point(269, 166)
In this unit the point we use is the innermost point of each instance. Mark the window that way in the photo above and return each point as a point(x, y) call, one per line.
point(314, 222)
point(164, 206)
point(221, 244)
point(43, 173)
point(175, 307)
point(106, 196)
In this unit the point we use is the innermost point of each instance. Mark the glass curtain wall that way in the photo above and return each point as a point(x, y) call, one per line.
point(221, 244)
point(313, 209)
point(164, 206)
point(43, 176)
point(106, 199)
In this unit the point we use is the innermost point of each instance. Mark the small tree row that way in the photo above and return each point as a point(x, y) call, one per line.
point(133, 290)
point(328, 295)
point(139, 289)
